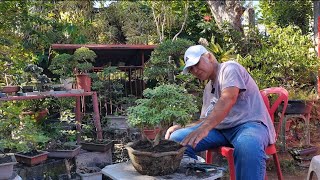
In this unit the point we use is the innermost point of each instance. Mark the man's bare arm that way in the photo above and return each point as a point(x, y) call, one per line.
point(220, 111)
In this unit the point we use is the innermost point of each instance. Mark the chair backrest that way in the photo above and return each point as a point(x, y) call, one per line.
point(281, 96)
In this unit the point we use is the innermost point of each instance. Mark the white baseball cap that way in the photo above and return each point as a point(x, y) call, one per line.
point(192, 56)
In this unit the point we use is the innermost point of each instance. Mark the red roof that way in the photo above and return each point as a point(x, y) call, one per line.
point(102, 46)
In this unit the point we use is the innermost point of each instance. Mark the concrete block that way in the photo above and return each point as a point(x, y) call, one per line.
point(92, 159)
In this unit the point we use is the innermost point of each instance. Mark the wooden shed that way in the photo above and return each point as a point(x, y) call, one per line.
point(130, 59)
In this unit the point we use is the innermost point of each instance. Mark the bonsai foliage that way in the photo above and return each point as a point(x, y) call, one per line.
point(166, 60)
point(34, 75)
point(84, 57)
point(63, 65)
point(161, 107)
point(21, 133)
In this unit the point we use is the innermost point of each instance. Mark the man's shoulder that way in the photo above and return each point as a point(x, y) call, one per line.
point(231, 65)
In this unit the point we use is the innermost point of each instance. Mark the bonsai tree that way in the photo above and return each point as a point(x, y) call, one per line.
point(34, 76)
point(161, 107)
point(63, 65)
point(84, 58)
point(20, 133)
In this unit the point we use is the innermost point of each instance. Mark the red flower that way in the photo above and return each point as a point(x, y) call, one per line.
point(207, 18)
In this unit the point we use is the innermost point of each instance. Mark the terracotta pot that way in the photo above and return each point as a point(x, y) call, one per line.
point(151, 133)
point(38, 116)
point(84, 82)
point(154, 164)
point(10, 89)
point(32, 160)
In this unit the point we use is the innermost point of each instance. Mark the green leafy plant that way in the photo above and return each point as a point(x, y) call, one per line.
point(19, 133)
point(286, 59)
point(166, 61)
point(162, 106)
point(63, 65)
point(84, 57)
point(34, 76)
point(111, 91)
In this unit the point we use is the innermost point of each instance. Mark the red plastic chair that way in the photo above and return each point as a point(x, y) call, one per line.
point(282, 96)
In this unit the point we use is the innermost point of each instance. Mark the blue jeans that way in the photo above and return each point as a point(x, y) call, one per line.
point(249, 141)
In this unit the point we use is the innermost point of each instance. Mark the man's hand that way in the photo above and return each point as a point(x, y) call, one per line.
point(196, 136)
point(171, 130)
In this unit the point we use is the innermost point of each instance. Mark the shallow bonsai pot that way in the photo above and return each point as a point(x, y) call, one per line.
point(6, 168)
point(100, 147)
point(27, 89)
point(154, 163)
point(64, 153)
point(31, 160)
point(10, 89)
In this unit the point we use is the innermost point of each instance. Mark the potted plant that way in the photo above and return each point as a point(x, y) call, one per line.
point(84, 57)
point(100, 145)
point(34, 77)
point(31, 138)
point(58, 149)
point(36, 108)
point(9, 86)
point(63, 65)
point(160, 107)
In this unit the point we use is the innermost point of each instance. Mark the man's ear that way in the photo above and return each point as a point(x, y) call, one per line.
point(212, 58)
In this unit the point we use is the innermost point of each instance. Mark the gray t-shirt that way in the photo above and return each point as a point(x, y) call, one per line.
point(249, 105)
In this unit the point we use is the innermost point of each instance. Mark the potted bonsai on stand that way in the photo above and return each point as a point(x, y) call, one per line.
point(9, 86)
point(161, 107)
point(34, 77)
point(63, 65)
point(84, 57)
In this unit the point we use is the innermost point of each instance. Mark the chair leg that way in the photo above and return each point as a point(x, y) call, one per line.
point(209, 156)
point(231, 166)
point(277, 164)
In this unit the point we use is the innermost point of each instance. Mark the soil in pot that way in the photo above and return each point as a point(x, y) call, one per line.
point(161, 159)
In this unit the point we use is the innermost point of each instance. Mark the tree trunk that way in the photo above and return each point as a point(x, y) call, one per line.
point(227, 11)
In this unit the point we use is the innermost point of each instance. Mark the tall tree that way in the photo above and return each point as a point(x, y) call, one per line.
point(229, 11)
point(284, 13)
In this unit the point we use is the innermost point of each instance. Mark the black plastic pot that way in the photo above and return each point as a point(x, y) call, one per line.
point(298, 107)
